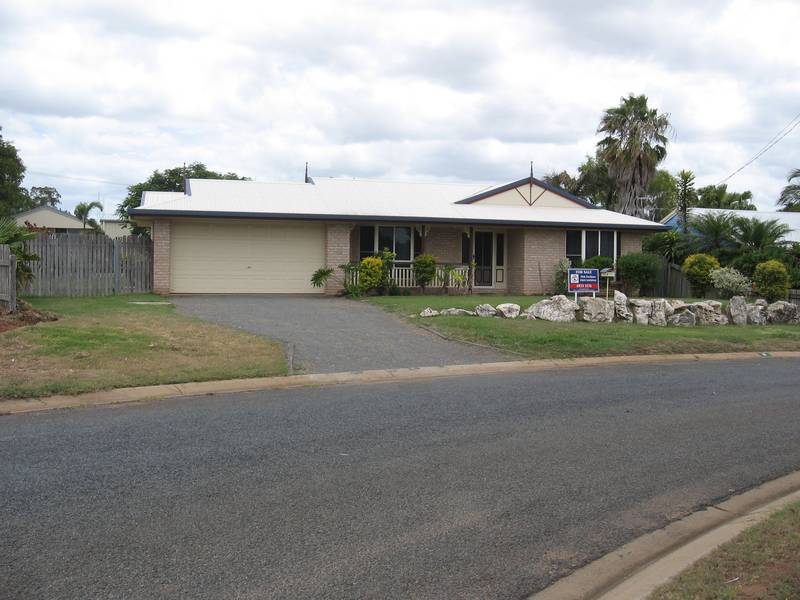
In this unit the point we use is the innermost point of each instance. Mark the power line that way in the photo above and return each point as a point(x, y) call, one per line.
point(78, 178)
point(784, 131)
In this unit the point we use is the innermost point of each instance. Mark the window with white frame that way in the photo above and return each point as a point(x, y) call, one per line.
point(583, 244)
point(405, 241)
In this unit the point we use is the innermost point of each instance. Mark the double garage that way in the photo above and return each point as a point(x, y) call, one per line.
point(244, 257)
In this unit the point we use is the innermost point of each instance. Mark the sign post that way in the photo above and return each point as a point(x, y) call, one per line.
point(583, 281)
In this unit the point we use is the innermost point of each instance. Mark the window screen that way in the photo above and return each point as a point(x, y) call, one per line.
point(366, 243)
point(385, 238)
point(417, 243)
point(607, 243)
point(501, 247)
point(464, 249)
point(574, 246)
point(592, 244)
point(402, 243)
point(619, 244)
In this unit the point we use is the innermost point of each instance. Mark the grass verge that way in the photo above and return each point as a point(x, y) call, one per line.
point(107, 342)
point(761, 562)
point(543, 339)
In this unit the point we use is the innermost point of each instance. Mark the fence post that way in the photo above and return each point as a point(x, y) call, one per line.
point(12, 279)
point(116, 267)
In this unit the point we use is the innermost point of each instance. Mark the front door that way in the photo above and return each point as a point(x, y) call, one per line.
point(484, 266)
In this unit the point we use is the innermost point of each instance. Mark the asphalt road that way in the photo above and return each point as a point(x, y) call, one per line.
point(478, 487)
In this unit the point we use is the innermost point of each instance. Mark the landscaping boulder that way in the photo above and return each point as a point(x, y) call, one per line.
point(641, 310)
point(596, 310)
point(682, 318)
point(508, 311)
point(485, 310)
point(708, 312)
point(757, 313)
point(675, 304)
point(428, 312)
point(737, 310)
point(528, 313)
point(621, 306)
point(457, 312)
point(557, 308)
point(658, 312)
point(782, 312)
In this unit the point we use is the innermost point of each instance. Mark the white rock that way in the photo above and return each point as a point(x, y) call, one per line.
point(737, 310)
point(682, 318)
point(456, 312)
point(508, 310)
point(658, 313)
point(621, 306)
point(596, 310)
point(708, 312)
point(428, 312)
point(641, 310)
point(557, 308)
point(757, 313)
point(782, 312)
point(485, 310)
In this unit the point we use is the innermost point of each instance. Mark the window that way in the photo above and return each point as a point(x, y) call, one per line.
point(385, 239)
point(465, 249)
point(402, 243)
point(500, 240)
point(417, 243)
point(582, 245)
point(366, 243)
point(574, 246)
point(619, 244)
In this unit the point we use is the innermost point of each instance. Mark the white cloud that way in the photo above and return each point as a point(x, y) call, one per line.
point(460, 90)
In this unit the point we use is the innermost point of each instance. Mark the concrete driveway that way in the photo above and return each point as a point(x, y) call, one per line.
point(329, 335)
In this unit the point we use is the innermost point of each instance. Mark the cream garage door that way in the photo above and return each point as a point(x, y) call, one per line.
point(245, 258)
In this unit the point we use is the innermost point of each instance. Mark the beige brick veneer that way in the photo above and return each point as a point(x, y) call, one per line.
point(161, 271)
point(532, 258)
point(444, 243)
point(631, 241)
point(337, 252)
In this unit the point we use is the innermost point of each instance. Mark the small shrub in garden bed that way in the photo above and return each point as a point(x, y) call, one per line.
point(772, 280)
point(698, 268)
point(424, 270)
point(638, 270)
point(598, 262)
point(729, 282)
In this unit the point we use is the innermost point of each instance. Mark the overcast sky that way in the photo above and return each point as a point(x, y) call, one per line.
point(468, 90)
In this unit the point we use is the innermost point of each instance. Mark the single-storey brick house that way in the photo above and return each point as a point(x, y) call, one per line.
point(223, 236)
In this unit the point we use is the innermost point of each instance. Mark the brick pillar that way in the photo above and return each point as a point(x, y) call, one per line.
point(161, 241)
point(337, 252)
point(532, 258)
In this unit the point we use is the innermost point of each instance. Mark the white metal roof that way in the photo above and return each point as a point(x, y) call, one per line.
point(791, 219)
point(357, 199)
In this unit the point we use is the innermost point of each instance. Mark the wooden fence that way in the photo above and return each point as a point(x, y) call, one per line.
point(8, 279)
point(794, 296)
point(90, 265)
point(671, 283)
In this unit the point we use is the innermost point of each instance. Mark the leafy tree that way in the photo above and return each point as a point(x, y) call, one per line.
point(168, 180)
point(790, 195)
point(663, 189)
point(751, 235)
point(565, 181)
point(718, 196)
point(13, 197)
point(633, 146)
point(45, 196)
point(685, 197)
point(83, 212)
point(591, 182)
point(712, 232)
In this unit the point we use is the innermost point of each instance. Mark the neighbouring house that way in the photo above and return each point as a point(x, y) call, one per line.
point(114, 228)
point(224, 236)
point(791, 219)
point(52, 219)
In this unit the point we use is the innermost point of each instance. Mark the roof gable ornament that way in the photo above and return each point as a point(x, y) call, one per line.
point(530, 200)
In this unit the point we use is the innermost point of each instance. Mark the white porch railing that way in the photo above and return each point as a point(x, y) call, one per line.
point(403, 276)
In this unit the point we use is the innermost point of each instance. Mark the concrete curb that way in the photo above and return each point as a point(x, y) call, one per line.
point(157, 392)
point(635, 570)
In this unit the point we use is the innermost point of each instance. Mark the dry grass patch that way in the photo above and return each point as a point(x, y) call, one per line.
point(104, 343)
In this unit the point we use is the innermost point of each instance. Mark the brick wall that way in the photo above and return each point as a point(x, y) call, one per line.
point(444, 243)
point(337, 252)
point(631, 242)
point(515, 263)
point(161, 259)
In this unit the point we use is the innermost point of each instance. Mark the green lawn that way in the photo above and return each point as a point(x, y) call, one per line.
point(107, 342)
point(761, 563)
point(543, 339)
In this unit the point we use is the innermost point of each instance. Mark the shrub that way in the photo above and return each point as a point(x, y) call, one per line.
point(638, 270)
point(387, 263)
point(729, 282)
point(424, 270)
point(598, 262)
point(747, 262)
point(560, 280)
point(697, 268)
point(772, 280)
point(321, 276)
point(370, 273)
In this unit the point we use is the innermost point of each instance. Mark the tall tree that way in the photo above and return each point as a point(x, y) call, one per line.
point(168, 180)
point(663, 189)
point(45, 196)
point(591, 182)
point(565, 181)
point(83, 212)
point(790, 195)
point(718, 196)
point(13, 197)
point(685, 197)
point(635, 143)
point(712, 232)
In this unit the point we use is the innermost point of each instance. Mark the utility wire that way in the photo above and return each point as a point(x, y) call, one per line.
point(77, 178)
point(784, 131)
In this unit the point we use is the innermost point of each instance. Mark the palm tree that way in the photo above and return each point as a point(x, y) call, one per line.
point(685, 198)
point(83, 210)
point(751, 235)
point(790, 195)
point(712, 232)
point(718, 196)
point(15, 236)
point(633, 146)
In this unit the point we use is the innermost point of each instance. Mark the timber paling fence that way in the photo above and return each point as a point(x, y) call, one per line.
point(90, 265)
point(8, 279)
